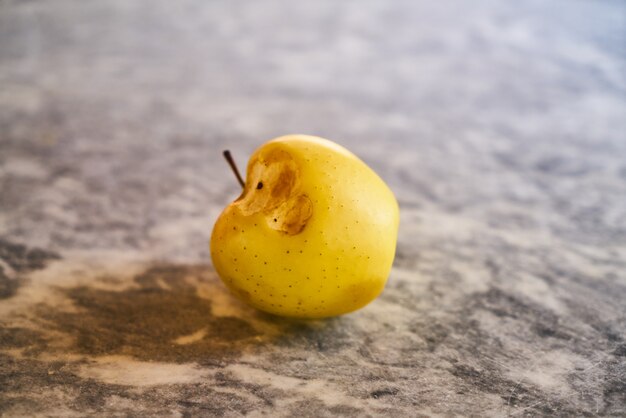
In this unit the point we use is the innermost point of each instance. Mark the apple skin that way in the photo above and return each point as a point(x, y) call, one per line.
point(313, 234)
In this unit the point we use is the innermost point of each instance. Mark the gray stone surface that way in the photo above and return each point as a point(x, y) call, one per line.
point(499, 125)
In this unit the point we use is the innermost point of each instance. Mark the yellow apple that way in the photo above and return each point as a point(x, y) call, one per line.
point(312, 235)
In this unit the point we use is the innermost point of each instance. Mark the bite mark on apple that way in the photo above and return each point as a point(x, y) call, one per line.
point(273, 188)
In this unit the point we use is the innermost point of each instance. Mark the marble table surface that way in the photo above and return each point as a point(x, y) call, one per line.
point(500, 126)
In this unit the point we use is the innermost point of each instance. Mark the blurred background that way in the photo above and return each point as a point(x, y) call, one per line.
point(451, 102)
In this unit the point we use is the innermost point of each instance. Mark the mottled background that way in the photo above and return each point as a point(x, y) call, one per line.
point(501, 127)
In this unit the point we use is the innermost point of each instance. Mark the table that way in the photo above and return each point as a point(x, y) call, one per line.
point(500, 126)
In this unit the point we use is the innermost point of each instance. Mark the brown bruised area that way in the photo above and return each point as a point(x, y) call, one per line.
point(273, 188)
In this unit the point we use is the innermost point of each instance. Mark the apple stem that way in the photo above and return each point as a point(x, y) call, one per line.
point(233, 167)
